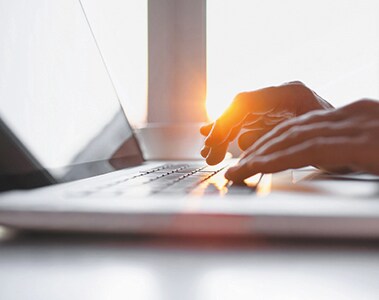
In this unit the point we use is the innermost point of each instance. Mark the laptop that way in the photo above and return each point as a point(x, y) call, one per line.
point(70, 161)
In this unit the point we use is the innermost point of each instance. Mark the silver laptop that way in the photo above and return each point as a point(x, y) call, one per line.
point(70, 161)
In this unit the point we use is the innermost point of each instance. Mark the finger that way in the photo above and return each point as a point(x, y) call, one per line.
point(307, 119)
point(206, 129)
point(365, 106)
point(238, 173)
point(217, 154)
point(258, 129)
point(234, 133)
point(221, 130)
point(300, 134)
point(204, 151)
point(232, 117)
point(330, 152)
point(248, 138)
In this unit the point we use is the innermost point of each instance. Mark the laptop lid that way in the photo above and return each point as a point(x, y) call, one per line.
point(61, 116)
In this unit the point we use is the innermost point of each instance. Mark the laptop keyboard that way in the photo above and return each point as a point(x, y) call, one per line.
point(175, 178)
point(168, 179)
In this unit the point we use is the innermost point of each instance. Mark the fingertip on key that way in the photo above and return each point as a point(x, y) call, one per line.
point(229, 174)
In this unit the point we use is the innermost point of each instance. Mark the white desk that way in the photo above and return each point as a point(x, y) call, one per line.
point(103, 267)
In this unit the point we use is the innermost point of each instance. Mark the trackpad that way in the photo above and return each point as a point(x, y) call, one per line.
point(313, 181)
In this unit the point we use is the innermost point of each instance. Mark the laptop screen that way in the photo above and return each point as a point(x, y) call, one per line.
point(56, 95)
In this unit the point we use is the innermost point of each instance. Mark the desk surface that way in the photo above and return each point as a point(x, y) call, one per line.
point(118, 267)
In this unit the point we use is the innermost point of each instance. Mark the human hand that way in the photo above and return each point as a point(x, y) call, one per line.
point(341, 139)
point(257, 113)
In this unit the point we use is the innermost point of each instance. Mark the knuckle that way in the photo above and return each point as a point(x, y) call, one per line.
point(300, 86)
point(364, 103)
point(293, 83)
point(305, 91)
point(297, 83)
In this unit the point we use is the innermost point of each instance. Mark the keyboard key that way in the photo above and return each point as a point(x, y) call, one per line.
point(169, 179)
point(189, 170)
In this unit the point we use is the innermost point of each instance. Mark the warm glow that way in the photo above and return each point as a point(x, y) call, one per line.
point(264, 187)
point(253, 180)
point(217, 101)
point(217, 182)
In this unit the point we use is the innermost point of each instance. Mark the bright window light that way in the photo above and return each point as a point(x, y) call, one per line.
point(332, 46)
point(120, 27)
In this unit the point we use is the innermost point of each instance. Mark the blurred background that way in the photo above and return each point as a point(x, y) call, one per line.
point(332, 46)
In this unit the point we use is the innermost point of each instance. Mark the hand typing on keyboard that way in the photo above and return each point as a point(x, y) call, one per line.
point(290, 126)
